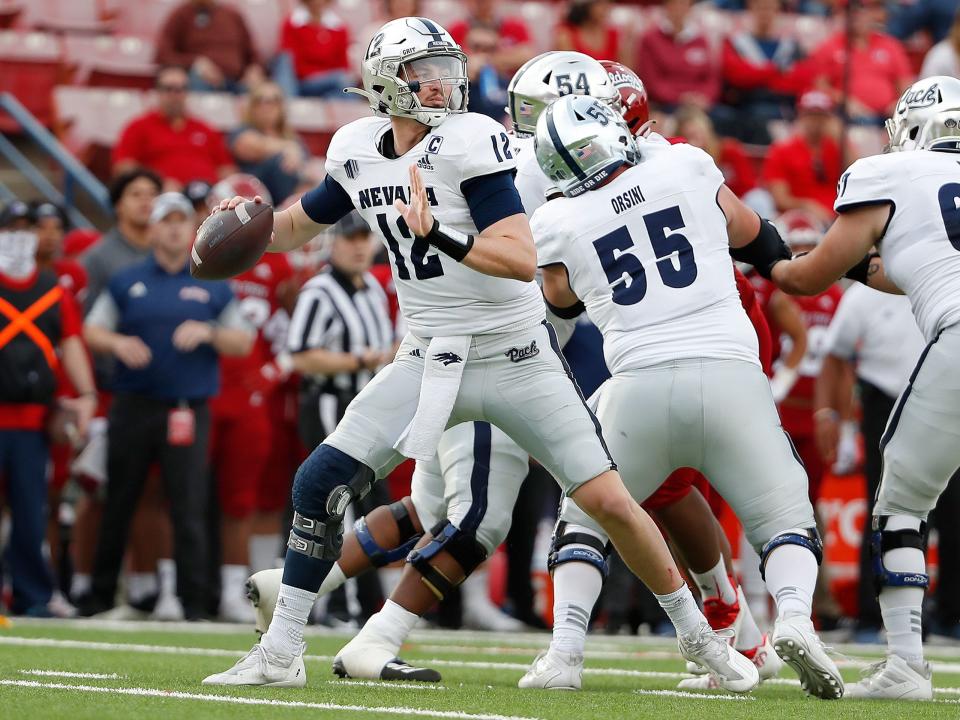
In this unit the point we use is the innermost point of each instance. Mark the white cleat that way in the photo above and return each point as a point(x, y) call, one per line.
point(764, 658)
point(554, 671)
point(734, 672)
point(484, 615)
point(261, 667)
point(893, 679)
point(263, 589)
point(796, 642)
point(361, 659)
point(236, 610)
point(167, 609)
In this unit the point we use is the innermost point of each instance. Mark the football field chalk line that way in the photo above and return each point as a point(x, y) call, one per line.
point(695, 696)
point(77, 675)
point(231, 699)
point(948, 668)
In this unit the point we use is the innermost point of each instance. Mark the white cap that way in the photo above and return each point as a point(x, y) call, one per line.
point(170, 202)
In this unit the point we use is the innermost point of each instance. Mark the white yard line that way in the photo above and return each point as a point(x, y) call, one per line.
point(698, 696)
point(66, 674)
point(389, 684)
point(230, 699)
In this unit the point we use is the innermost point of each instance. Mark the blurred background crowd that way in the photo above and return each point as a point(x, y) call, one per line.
point(146, 470)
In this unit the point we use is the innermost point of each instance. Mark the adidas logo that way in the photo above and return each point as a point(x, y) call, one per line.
point(424, 163)
point(416, 353)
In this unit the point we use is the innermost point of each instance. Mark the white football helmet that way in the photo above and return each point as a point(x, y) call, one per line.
point(404, 56)
point(552, 75)
point(581, 141)
point(917, 106)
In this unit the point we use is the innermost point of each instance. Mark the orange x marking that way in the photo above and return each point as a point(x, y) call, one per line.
point(22, 322)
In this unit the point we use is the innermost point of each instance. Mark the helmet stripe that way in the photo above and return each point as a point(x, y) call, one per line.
point(432, 29)
point(561, 148)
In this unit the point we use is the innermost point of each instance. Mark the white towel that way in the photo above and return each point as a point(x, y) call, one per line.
point(442, 371)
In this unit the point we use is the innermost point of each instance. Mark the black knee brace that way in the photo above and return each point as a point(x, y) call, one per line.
point(380, 556)
point(596, 553)
point(462, 546)
point(811, 541)
point(882, 541)
point(325, 484)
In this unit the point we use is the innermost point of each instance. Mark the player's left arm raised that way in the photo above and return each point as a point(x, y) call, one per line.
point(503, 248)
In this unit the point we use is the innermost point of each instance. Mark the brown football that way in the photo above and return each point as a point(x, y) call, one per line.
point(231, 242)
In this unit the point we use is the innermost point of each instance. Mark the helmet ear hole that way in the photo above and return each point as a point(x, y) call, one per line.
point(914, 131)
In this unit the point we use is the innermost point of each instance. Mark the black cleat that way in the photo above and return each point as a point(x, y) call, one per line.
point(394, 670)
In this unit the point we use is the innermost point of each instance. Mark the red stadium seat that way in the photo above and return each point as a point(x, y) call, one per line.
point(219, 110)
point(143, 19)
point(10, 12)
point(30, 66)
point(264, 18)
point(77, 16)
point(90, 120)
point(121, 62)
point(310, 119)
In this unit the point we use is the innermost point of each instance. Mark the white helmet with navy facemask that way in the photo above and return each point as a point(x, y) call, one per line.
point(581, 141)
point(404, 56)
point(552, 75)
point(918, 106)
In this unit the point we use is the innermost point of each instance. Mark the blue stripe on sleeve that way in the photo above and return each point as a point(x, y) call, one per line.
point(327, 202)
point(491, 198)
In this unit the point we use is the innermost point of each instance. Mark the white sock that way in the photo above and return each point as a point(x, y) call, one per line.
point(232, 580)
point(475, 590)
point(901, 606)
point(682, 610)
point(263, 551)
point(791, 574)
point(715, 583)
point(334, 579)
point(167, 577)
point(285, 634)
point(390, 626)
point(389, 579)
point(80, 584)
point(749, 636)
point(754, 588)
point(576, 587)
point(140, 586)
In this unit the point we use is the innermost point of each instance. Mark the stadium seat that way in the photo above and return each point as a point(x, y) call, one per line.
point(541, 20)
point(10, 12)
point(310, 120)
point(143, 19)
point(264, 18)
point(219, 110)
point(76, 16)
point(120, 62)
point(30, 66)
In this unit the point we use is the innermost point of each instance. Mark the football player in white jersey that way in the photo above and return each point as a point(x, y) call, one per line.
point(436, 183)
point(578, 559)
point(906, 204)
point(642, 241)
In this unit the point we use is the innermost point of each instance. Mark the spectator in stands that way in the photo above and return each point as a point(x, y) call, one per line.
point(173, 144)
point(879, 68)
point(50, 227)
point(587, 29)
point(313, 60)
point(694, 126)
point(934, 16)
point(944, 57)
point(212, 40)
point(132, 194)
point(266, 146)
point(803, 170)
point(198, 193)
point(39, 319)
point(497, 45)
point(16, 216)
point(394, 9)
point(167, 331)
point(680, 64)
point(760, 70)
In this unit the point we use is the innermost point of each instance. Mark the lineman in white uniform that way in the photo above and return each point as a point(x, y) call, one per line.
point(906, 204)
point(436, 183)
point(636, 241)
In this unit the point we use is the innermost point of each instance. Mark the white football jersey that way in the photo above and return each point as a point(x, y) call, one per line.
point(921, 244)
point(532, 183)
point(648, 255)
point(438, 296)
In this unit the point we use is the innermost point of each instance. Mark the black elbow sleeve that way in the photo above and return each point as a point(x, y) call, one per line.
point(764, 251)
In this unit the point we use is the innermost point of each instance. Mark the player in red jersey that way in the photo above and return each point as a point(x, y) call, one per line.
point(242, 427)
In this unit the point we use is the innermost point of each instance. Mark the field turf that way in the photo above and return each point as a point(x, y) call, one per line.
point(97, 670)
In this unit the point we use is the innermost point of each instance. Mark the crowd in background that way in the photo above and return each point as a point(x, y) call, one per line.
point(176, 479)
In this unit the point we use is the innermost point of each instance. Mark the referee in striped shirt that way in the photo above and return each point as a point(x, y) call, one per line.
point(339, 336)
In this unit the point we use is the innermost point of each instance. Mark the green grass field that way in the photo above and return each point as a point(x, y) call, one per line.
point(76, 670)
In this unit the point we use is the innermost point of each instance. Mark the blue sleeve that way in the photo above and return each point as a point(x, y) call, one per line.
point(491, 198)
point(223, 294)
point(327, 202)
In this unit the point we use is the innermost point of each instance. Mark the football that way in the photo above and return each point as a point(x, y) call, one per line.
point(231, 241)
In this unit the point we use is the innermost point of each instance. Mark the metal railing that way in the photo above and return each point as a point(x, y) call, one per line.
point(76, 176)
